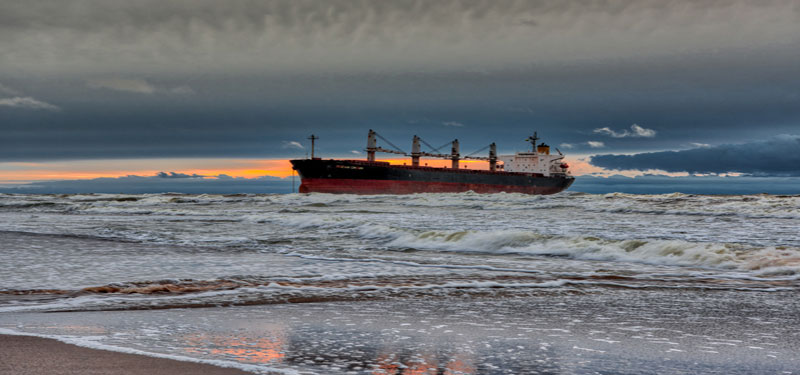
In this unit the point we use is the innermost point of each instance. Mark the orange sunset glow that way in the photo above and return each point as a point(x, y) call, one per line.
point(88, 169)
point(19, 173)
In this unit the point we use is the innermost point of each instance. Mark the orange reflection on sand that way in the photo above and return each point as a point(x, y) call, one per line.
point(428, 366)
point(260, 350)
point(459, 365)
point(389, 365)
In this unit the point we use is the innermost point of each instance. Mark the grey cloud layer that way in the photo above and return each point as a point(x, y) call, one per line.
point(137, 86)
point(7, 90)
point(779, 156)
point(91, 35)
point(636, 131)
point(27, 102)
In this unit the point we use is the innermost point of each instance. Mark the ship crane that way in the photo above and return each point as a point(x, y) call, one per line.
point(372, 146)
point(492, 159)
point(454, 154)
point(417, 153)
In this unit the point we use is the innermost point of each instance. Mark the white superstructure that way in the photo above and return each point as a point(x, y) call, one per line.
point(537, 161)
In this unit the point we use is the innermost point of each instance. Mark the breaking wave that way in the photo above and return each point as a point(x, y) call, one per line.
point(171, 294)
point(731, 256)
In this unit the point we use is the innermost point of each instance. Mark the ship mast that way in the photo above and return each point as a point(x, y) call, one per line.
point(372, 145)
point(454, 154)
point(415, 152)
point(493, 157)
point(533, 140)
point(312, 138)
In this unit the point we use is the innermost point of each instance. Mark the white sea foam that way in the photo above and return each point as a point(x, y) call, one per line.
point(660, 252)
point(415, 264)
point(728, 237)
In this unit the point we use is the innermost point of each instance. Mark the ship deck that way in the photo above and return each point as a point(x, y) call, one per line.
point(436, 169)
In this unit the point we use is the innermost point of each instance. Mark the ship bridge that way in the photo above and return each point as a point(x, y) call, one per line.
point(538, 161)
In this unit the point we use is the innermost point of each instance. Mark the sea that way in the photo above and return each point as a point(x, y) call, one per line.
point(571, 283)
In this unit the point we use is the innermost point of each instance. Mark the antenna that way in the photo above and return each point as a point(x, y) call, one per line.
point(312, 138)
point(533, 140)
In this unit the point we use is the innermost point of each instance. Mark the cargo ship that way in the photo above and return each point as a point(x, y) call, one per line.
point(534, 172)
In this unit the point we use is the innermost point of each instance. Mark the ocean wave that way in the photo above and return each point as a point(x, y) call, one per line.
point(763, 260)
point(260, 291)
point(747, 206)
point(728, 256)
point(206, 293)
point(570, 224)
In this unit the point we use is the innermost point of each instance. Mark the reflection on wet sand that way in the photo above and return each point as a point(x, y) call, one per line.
point(267, 350)
point(79, 329)
point(460, 365)
point(659, 332)
point(388, 364)
point(276, 347)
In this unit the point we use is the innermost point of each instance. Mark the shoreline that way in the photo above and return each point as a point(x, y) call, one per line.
point(610, 331)
point(33, 355)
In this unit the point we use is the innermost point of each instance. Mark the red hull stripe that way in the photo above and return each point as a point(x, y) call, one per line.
point(350, 186)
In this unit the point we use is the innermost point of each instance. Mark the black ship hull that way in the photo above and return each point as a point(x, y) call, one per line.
point(364, 177)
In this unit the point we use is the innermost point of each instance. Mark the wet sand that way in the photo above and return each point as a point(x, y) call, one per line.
point(585, 331)
point(27, 355)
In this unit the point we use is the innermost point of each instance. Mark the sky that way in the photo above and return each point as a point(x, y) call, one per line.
point(93, 89)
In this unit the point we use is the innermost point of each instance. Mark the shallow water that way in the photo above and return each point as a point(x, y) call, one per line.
point(628, 332)
point(249, 255)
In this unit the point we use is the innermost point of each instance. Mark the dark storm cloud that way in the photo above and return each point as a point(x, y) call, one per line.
point(281, 35)
point(202, 78)
point(257, 117)
point(178, 175)
point(779, 156)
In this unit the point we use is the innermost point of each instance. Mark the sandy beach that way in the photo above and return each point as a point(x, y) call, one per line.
point(27, 355)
